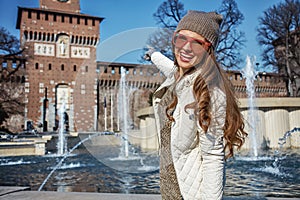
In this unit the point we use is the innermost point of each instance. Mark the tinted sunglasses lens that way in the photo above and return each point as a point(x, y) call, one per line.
point(179, 40)
point(196, 47)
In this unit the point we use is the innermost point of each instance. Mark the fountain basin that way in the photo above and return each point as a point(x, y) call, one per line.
point(23, 147)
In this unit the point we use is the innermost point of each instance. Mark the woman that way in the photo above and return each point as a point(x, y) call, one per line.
point(197, 114)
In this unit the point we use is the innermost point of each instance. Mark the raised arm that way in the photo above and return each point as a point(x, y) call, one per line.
point(163, 63)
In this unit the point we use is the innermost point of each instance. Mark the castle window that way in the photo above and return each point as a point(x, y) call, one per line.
point(14, 64)
point(62, 18)
point(62, 67)
point(50, 66)
point(29, 14)
point(54, 17)
point(86, 21)
point(78, 20)
point(48, 36)
point(26, 35)
point(38, 16)
point(92, 40)
point(86, 68)
point(95, 41)
point(46, 17)
point(36, 65)
point(93, 22)
point(4, 64)
point(70, 20)
point(74, 68)
point(35, 35)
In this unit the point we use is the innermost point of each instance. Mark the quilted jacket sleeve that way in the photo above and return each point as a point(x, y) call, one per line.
point(212, 150)
point(163, 63)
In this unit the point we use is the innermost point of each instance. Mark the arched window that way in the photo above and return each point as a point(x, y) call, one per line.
point(62, 67)
point(26, 35)
point(30, 35)
point(36, 65)
point(35, 35)
point(48, 37)
point(74, 68)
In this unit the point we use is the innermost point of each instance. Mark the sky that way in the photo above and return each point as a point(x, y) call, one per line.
point(127, 23)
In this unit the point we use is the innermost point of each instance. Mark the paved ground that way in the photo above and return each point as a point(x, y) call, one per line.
point(23, 193)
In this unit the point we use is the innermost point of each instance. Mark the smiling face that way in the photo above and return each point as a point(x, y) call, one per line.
point(189, 48)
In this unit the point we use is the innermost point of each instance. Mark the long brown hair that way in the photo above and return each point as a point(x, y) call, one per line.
point(213, 76)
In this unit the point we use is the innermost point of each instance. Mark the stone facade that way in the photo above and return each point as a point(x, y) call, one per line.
point(60, 45)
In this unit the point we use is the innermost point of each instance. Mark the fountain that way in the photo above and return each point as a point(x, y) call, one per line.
point(61, 144)
point(282, 140)
point(250, 74)
point(65, 155)
point(123, 106)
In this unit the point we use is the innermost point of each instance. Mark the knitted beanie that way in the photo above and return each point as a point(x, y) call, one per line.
point(205, 24)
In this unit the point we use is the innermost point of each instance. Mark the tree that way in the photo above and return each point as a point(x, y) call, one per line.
point(9, 44)
point(12, 78)
point(169, 14)
point(278, 33)
point(231, 39)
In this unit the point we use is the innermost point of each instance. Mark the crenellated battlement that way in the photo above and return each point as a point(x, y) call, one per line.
point(139, 76)
point(148, 76)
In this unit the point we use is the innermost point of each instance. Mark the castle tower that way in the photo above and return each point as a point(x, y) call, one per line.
point(60, 46)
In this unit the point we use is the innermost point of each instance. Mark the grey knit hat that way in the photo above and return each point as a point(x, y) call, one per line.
point(206, 24)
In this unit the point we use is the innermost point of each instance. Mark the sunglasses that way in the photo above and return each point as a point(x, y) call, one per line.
point(180, 40)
